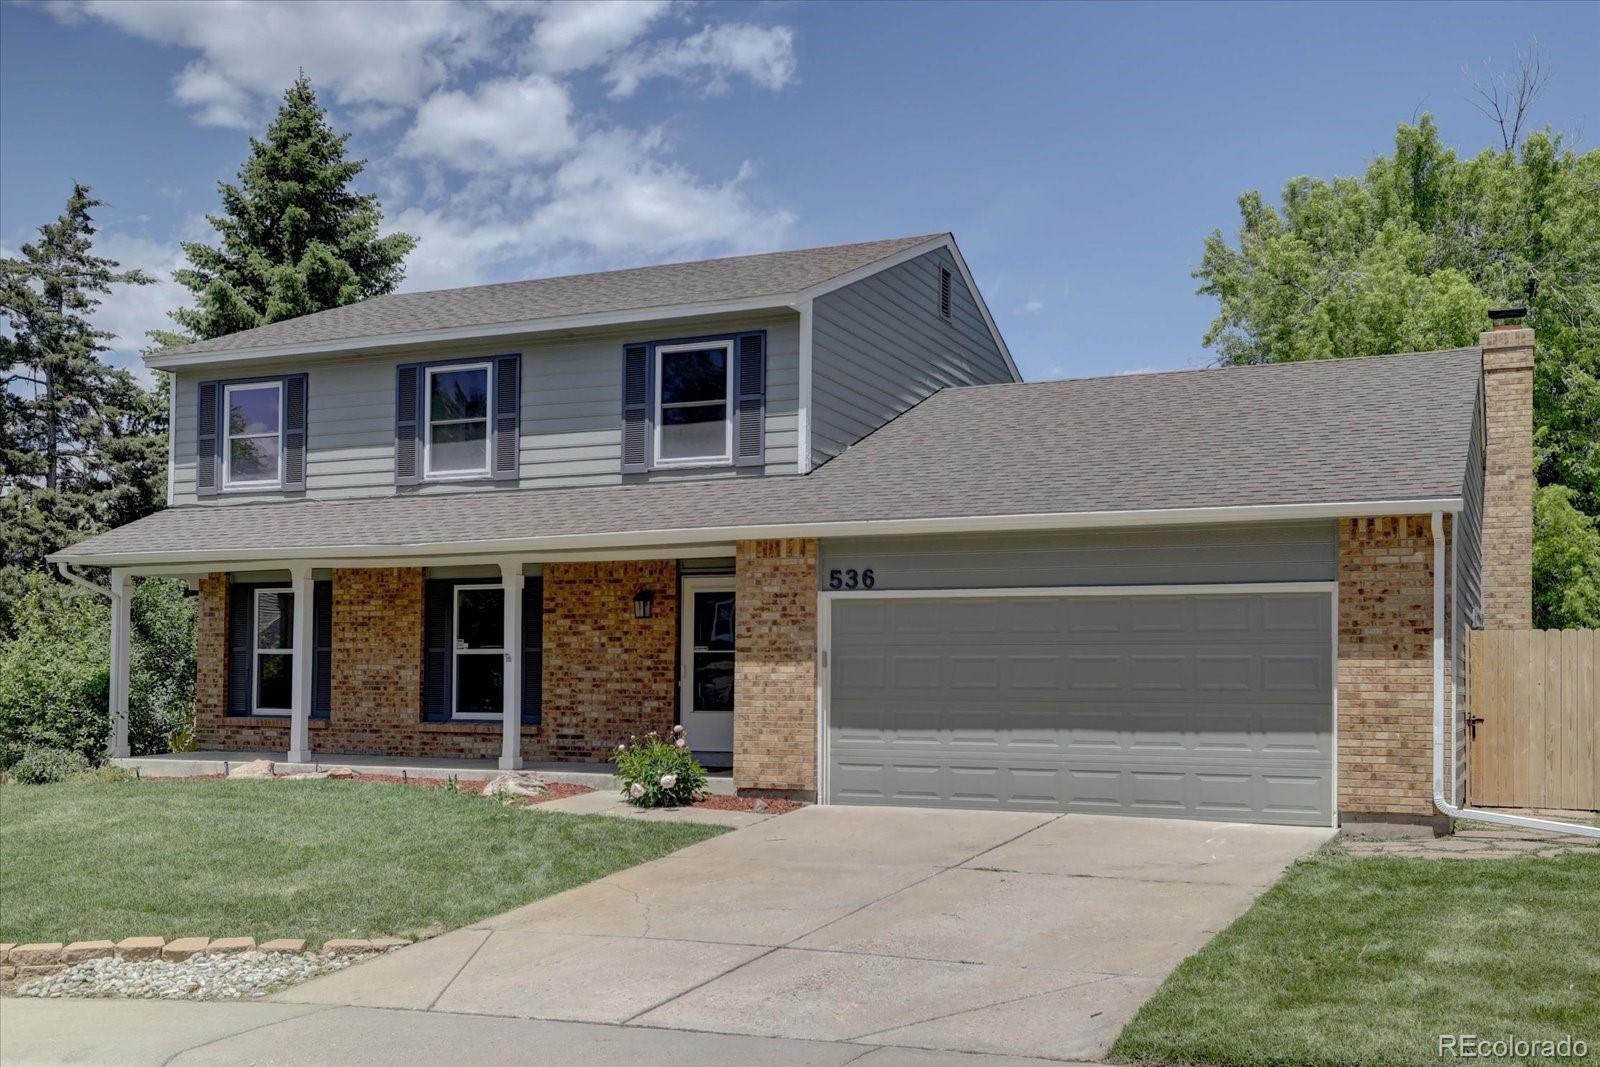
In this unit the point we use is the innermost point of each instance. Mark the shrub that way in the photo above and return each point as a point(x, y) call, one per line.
point(41, 766)
point(55, 669)
point(659, 772)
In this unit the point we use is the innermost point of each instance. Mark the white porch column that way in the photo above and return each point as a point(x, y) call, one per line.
point(121, 615)
point(511, 580)
point(302, 673)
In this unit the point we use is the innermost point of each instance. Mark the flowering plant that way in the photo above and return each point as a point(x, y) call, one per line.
point(659, 772)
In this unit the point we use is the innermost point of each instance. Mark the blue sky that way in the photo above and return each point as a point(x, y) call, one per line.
point(1080, 153)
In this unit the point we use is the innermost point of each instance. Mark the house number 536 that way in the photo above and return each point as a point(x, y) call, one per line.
point(851, 579)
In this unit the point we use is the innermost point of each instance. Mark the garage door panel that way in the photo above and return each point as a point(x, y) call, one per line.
point(1124, 728)
point(1205, 706)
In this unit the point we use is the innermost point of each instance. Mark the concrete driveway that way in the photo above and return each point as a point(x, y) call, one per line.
point(1027, 935)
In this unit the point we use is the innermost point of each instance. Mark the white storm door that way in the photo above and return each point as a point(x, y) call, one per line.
point(705, 674)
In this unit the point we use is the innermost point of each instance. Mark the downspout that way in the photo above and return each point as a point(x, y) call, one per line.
point(1439, 801)
point(75, 578)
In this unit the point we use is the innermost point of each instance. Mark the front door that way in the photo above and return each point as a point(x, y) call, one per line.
point(706, 672)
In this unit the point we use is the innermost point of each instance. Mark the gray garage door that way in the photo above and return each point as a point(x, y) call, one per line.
point(1199, 706)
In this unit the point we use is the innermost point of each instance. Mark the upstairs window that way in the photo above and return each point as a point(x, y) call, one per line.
point(457, 441)
point(694, 382)
point(252, 452)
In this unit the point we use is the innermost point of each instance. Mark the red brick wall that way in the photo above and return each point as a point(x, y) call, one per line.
point(1385, 670)
point(775, 673)
point(211, 662)
point(1508, 479)
point(607, 675)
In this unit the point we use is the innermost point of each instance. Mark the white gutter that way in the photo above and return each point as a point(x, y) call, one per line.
point(67, 572)
point(1074, 520)
point(1454, 812)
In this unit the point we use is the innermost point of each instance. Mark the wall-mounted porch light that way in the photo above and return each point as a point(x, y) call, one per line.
point(642, 601)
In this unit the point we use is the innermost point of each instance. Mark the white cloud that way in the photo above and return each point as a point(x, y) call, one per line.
point(1033, 306)
point(574, 34)
point(504, 123)
point(622, 193)
point(131, 311)
point(219, 101)
point(384, 53)
point(618, 201)
point(764, 54)
point(480, 143)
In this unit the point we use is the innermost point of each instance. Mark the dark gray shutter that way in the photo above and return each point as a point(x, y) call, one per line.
point(507, 416)
point(295, 400)
point(750, 418)
point(208, 444)
point(636, 390)
point(241, 657)
point(408, 424)
point(322, 641)
point(944, 291)
point(438, 657)
point(532, 649)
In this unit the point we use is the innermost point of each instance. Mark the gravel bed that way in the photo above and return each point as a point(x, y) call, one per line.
point(205, 976)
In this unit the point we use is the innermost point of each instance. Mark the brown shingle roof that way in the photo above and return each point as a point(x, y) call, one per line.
point(638, 289)
point(1343, 431)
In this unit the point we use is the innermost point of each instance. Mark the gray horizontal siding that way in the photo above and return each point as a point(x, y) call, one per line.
point(879, 346)
point(1184, 555)
point(571, 413)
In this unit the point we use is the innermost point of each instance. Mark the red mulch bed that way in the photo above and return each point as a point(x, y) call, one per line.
point(555, 790)
point(723, 802)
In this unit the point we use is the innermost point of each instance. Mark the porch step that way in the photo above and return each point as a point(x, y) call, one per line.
point(193, 764)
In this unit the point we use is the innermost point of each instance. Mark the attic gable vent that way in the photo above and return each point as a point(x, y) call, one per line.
point(944, 291)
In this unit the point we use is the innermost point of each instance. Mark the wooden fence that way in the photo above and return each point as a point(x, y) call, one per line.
point(1537, 694)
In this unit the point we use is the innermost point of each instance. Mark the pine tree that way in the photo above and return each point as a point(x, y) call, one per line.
point(82, 443)
point(294, 237)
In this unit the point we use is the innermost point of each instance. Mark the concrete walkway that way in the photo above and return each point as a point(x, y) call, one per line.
point(1001, 933)
point(142, 1033)
point(609, 802)
point(880, 937)
point(192, 764)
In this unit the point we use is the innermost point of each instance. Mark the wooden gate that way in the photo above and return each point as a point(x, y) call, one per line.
point(1535, 695)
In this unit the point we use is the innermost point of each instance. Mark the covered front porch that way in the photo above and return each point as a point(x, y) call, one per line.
point(470, 665)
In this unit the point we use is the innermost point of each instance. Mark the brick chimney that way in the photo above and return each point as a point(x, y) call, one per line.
point(1508, 473)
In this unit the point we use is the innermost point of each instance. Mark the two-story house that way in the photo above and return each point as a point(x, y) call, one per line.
point(803, 505)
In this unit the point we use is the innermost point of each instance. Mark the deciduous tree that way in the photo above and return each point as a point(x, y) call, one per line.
point(1410, 256)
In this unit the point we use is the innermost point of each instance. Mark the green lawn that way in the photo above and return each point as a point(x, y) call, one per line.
point(311, 859)
point(1358, 960)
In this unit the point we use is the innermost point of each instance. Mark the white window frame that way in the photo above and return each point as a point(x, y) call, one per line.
point(427, 423)
point(728, 404)
point(228, 436)
point(457, 652)
point(256, 651)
